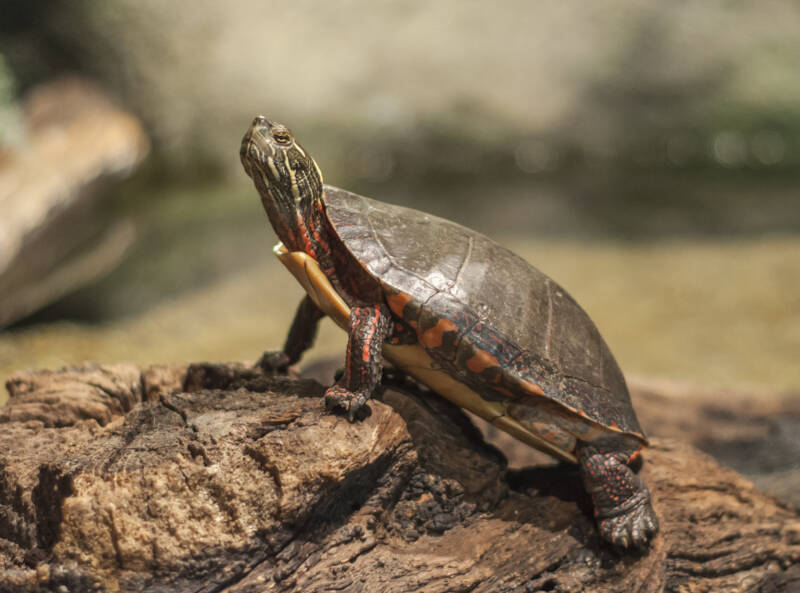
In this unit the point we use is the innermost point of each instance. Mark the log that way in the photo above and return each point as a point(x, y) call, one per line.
point(57, 233)
point(221, 478)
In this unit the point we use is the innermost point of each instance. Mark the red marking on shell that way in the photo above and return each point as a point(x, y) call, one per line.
point(504, 391)
point(397, 302)
point(531, 388)
point(432, 338)
point(481, 361)
point(634, 456)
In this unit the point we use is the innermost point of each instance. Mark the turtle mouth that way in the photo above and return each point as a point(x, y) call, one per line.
point(257, 137)
point(254, 150)
point(260, 129)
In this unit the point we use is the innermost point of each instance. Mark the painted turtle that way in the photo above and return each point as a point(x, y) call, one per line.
point(463, 315)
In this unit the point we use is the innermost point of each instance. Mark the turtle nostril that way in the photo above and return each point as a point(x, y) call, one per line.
point(260, 120)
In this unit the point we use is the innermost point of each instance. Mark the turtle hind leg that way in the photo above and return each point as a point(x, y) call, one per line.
point(622, 507)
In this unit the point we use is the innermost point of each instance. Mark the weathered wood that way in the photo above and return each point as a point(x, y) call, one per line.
point(219, 478)
point(53, 236)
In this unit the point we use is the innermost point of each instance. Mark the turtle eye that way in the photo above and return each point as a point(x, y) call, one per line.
point(281, 136)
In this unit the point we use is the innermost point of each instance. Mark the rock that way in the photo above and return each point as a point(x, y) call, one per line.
point(53, 236)
point(221, 478)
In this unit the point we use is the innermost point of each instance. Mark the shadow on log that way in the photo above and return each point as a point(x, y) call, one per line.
point(219, 478)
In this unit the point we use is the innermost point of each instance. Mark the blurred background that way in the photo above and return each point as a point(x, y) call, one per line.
point(646, 155)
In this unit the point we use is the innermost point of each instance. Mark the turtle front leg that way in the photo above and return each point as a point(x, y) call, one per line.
point(368, 327)
point(301, 337)
point(621, 499)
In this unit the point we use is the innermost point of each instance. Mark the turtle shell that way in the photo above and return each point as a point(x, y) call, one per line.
point(485, 314)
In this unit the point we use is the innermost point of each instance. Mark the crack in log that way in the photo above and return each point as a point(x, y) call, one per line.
point(738, 563)
point(48, 498)
point(115, 538)
point(125, 403)
point(272, 471)
point(180, 412)
point(118, 452)
point(293, 546)
point(365, 548)
point(726, 488)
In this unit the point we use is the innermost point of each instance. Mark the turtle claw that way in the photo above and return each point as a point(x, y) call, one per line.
point(632, 528)
point(353, 404)
point(274, 362)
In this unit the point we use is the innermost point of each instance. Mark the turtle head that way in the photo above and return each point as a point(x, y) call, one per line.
point(285, 175)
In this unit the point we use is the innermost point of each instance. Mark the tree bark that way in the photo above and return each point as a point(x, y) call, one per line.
point(221, 478)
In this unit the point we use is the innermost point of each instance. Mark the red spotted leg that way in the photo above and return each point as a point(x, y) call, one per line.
point(301, 338)
point(621, 499)
point(368, 328)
